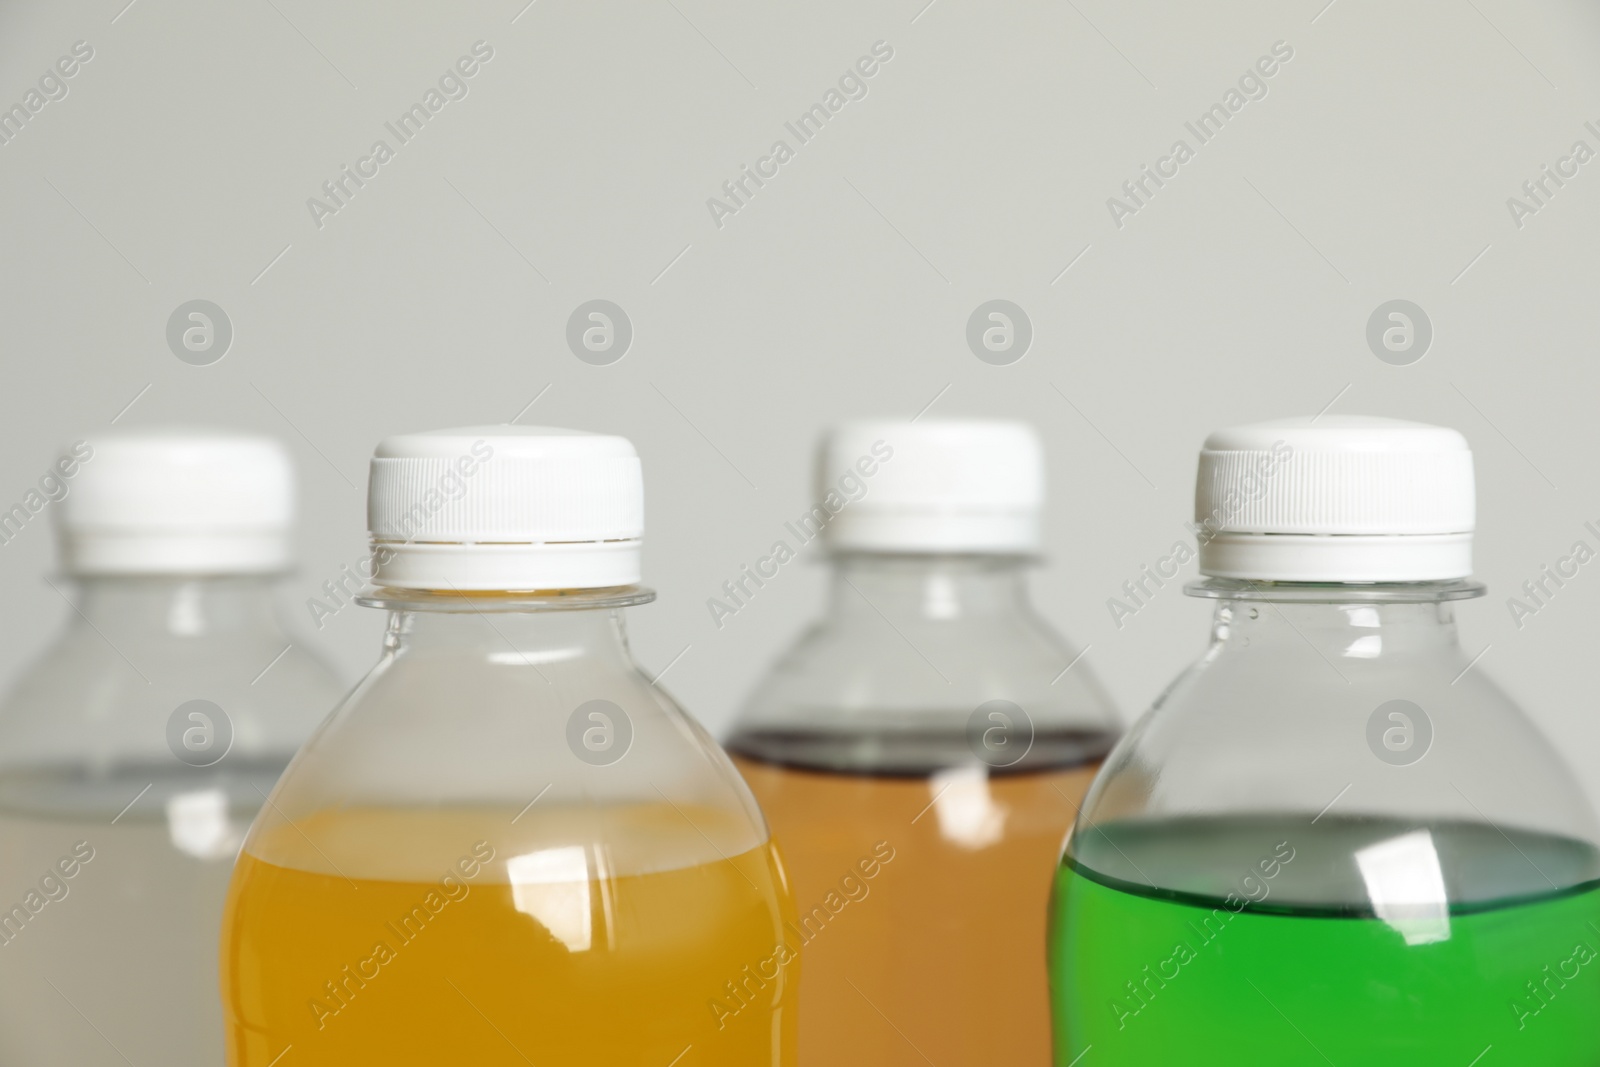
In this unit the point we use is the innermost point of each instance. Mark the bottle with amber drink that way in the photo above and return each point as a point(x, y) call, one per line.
point(922, 750)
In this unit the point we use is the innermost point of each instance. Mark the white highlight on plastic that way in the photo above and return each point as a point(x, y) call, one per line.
point(552, 885)
point(198, 825)
point(1406, 886)
point(968, 815)
point(515, 658)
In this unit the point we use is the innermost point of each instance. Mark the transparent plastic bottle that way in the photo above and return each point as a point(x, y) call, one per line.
point(921, 751)
point(507, 846)
point(1333, 838)
point(135, 752)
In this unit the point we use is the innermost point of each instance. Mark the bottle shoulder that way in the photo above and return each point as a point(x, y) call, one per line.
point(89, 700)
point(1426, 741)
point(508, 741)
point(904, 699)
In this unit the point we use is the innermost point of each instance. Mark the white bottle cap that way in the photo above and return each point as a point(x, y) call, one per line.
point(1342, 498)
point(177, 500)
point(505, 508)
point(956, 485)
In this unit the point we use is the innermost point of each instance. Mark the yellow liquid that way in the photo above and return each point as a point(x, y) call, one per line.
point(394, 937)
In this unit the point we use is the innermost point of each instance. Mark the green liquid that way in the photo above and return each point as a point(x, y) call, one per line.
point(1301, 966)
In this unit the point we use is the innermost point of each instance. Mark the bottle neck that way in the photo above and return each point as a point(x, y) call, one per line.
point(1351, 630)
point(178, 605)
point(528, 638)
point(929, 588)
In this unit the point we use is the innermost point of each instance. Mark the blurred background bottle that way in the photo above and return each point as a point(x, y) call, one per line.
point(1333, 839)
point(921, 752)
point(134, 753)
point(508, 846)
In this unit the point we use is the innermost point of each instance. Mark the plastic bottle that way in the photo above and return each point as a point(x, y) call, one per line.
point(135, 752)
point(507, 846)
point(1333, 839)
point(921, 751)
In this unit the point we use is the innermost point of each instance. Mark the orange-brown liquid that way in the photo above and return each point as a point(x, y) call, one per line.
point(939, 955)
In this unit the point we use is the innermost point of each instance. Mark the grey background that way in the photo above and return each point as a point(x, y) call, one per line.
point(977, 168)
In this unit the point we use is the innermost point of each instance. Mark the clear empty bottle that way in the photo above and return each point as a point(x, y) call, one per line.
point(1333, 839)
point(508, 846)
point(134, 753)
point(922, 750)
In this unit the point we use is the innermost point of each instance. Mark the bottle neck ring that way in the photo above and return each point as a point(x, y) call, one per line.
point(1328, 592)
point(501, 601)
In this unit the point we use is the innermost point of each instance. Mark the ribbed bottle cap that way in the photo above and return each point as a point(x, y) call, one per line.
point(177, 500)
point(1342, 498)
point(954, 485)
point(505, 508)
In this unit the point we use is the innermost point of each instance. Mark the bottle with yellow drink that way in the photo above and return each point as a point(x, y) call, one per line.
point(507, 846)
